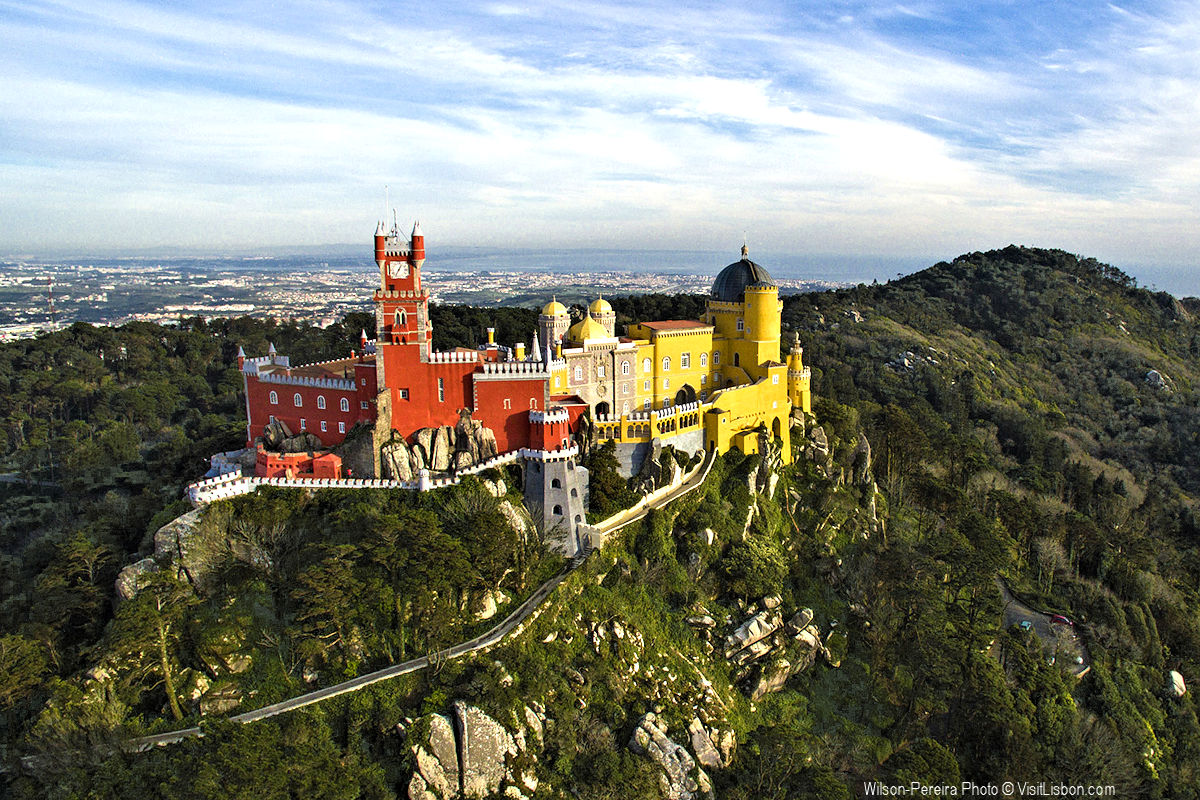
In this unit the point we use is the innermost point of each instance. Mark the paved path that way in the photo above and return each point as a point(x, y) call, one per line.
point(481, 642)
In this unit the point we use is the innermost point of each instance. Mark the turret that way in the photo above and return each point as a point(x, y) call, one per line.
point(417, 247)
point(799, 377)
point(241, 356)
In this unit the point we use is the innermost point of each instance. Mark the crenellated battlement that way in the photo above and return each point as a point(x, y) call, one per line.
point(455, 357)
point(344, 385)
point(553, 415)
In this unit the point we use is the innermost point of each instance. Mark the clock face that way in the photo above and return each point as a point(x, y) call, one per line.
point(398, 269)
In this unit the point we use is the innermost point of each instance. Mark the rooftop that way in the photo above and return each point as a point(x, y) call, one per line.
point(674, 324)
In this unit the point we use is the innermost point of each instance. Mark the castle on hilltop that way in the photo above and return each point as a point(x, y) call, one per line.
point(707, 384)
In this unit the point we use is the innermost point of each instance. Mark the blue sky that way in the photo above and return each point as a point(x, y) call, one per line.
point(919, 129)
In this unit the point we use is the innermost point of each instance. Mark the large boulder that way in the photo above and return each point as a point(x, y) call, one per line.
point(274, 433)
point(133, 577)
point(758, 627)
point(683, 778)
point(181, 544)
point(1175, 685)
point(397, 460)
point(862, 462)
point(437, 774)
point(483, 746)
point(442, 453)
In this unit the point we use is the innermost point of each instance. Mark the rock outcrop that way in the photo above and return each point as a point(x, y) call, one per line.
point(440, 449)
point(683, 778)
point(1175, 685)
point(470, 755)
point(766, 651)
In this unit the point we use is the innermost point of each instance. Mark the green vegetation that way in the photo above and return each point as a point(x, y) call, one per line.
point(1031, 416)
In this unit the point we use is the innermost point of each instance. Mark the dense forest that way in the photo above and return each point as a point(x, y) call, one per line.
point(1031, 420)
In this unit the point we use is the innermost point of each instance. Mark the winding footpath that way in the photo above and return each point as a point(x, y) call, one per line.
point(484, 641)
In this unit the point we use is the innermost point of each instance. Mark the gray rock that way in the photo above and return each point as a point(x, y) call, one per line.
point(683, 778)
point(800, 621)
point(483, 746)
point(221, 698)
point(133, 577)
point(181, 544)
point(759, 626)
point(442, 770)
point(487, 444)
point(702, 745)
point(1175, 685)
point(275, 433)
point(463, 459)
point(770, 677)
point(397, 460)
point(440, 457)
point(862, 462)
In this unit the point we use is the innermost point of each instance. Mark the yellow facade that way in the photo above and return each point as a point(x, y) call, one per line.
point(720, 375)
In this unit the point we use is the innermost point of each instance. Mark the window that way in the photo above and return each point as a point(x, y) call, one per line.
point(685, 361)
point(579, 374)
point(703, 393)
point(645, 386)
point(737, 359)
point(703, 379)
point(533, 402)
point(302, 425)
point(403, 394)
point(645, 365)
point(297, 400)
point(320, 401)
point(341, 427)
point(624, 367)
point(600, 371)
point(666, 363)
point(574, 492)
point(624, 388)
point(362, 404)
point(441, 390)
point(324, 427)
point(555, 483)
point(557, 381)
point(716, 377)
point(647, 404)
point(507, 403)
point(364, 381)
point(345, 404)
point(741, 324)
point(558, 510)
point(775, 379)
point(274, 398)
point(716, 358)
point(704, 359)
point(666, 384)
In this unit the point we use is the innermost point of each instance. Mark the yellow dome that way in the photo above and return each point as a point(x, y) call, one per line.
point(554, 309)
point(600, 306)
point(586, 328)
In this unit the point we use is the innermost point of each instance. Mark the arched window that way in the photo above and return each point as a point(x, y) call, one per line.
point(555, 483)
point(624, 367)
point(716, 358)
point(666, 363)
point(574, 492)
point(345, 404)
point(297, 400)
point(558, 510)
point(645, 365)
point(274, 399)
point(320, 401)
point(401, 320)
point(704, 359)
point(578, 374)
point(737, 359)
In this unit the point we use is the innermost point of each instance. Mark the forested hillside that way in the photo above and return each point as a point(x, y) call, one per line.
point(1019, 418)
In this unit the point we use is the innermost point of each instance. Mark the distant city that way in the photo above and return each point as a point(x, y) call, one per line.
point(43, 294)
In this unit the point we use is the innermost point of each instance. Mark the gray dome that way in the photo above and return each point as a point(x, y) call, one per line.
point(730, 285)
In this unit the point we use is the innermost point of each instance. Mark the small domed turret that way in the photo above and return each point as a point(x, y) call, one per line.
point(587, 328)
point(554, 309)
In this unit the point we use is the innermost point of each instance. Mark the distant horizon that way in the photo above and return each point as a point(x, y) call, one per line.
point(1178, 280)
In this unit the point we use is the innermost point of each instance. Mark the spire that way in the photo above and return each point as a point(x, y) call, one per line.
point(745, 247)
point(270, 348)
point(241, 353)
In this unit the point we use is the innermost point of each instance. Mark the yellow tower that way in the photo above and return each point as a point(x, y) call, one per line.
point(799, 378)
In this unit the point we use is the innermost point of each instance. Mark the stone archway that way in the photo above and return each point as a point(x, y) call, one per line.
point(685, 395)
point(603, 409)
